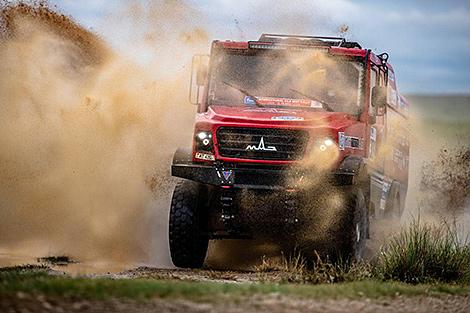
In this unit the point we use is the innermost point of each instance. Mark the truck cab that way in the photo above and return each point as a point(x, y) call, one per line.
point(282, 122)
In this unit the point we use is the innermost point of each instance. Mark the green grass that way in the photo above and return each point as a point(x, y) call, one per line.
point(425, 253)
point(40, 282)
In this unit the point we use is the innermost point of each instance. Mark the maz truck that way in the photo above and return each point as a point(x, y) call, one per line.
point(280, 122)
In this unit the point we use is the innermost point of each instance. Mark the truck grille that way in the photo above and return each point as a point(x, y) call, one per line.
point(262, 143)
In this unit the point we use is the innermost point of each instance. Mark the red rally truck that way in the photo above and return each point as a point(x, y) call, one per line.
point(280, 122)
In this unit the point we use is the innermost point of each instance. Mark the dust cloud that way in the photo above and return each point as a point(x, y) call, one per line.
point(439, 164)
point(87, 136)
point(439, 168)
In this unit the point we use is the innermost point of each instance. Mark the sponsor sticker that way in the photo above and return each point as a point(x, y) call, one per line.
point(316, 104)
point(351, 142)
point(341, 140)
point(287, 118)
point(248, 100)
point(392, 96)
point(372, 142)
point(270, 110)
point(373, 133)
point(226, 176)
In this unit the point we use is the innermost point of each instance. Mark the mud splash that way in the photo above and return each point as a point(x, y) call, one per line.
point(87, 137)
point(445, 180)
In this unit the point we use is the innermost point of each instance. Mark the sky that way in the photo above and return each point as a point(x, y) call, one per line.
point(428, 41)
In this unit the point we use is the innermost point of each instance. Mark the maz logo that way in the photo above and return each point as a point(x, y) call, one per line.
point(261, 147)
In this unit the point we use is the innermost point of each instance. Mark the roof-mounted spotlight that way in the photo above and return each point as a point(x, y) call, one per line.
point(384, 58)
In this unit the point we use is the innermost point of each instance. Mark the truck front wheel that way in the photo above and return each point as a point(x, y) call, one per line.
point(187, 236)
point(355, 227)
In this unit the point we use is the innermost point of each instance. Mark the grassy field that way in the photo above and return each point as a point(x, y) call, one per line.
point(39, 281)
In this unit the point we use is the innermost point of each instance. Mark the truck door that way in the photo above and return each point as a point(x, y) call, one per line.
point(377, 150)
point(378, 129)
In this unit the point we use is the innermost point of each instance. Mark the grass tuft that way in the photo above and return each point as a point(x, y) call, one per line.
point(425, 253)
point(291, 269)
point(296, 269)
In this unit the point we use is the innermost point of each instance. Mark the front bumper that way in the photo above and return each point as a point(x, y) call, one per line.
point(251, 177)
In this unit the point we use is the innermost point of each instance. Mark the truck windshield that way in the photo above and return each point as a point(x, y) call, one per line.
point(309, 79)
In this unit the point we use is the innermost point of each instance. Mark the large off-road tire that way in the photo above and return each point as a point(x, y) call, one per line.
point(353, 228)
point(188, 238)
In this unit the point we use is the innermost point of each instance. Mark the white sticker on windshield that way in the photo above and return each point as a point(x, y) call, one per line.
point(287, 118)
point(249, 100)
point(316, 104)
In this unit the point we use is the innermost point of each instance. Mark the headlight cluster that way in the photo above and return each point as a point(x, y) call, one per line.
point(324, 144)
point(322, 154)
point(204, 142)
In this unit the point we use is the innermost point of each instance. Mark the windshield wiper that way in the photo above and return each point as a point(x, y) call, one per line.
point(323, 103)
point(243, 91)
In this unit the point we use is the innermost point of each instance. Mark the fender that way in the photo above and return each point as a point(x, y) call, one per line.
point(182, 156)
point(351, 165)
point(349, 170)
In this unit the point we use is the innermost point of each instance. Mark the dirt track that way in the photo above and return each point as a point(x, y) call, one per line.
point(266, 303)
point(273, 303)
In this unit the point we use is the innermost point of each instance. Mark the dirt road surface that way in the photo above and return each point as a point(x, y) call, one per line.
point(230, 303)
point(260, 303)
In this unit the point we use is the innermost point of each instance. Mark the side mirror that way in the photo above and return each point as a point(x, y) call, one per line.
point(199, 74)
point(379, 99)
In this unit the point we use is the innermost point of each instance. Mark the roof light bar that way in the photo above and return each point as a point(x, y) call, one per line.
point(309, 40)
point(275, 46)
